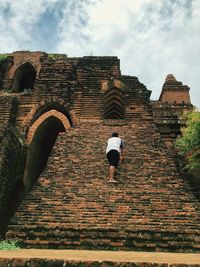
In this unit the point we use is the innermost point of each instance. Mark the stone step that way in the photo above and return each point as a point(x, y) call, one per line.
point(77, 258)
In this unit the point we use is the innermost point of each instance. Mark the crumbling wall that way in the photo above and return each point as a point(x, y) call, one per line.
point(3, 68)
point(11, 148)
point(167, 112)
point(11, 151)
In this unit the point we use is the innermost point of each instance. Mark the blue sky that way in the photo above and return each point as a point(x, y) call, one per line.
point(152, 38)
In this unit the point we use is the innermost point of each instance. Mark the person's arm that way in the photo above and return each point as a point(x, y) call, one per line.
point(122, 151)
point(122, 154)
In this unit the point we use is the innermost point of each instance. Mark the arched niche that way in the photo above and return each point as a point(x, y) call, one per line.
point(24, 78)
point(114, 106)
point(40, 147)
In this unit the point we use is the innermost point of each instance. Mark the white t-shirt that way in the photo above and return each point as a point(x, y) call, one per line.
point(114, 143)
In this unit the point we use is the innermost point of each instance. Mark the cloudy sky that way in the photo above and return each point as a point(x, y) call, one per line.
point(151, 37)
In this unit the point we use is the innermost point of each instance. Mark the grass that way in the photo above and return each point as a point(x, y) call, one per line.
point(57, 56)
point(25, 91)
point(9, 245)
point(52, 56)
point(7, 90)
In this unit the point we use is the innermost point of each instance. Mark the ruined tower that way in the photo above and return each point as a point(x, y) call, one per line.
point(174, 92)
point(56, 115)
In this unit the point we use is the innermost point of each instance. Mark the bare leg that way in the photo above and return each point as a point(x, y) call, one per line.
point(111, 174)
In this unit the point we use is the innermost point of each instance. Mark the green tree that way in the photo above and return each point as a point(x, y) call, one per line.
point(188, 144)
point(3, 57)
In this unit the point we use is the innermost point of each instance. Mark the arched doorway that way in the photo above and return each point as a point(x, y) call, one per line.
point(40, 147)
point(24, 78)
point(114, 107)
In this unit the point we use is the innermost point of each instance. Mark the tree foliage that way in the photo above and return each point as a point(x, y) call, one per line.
point(188, 144)
point(3, 57)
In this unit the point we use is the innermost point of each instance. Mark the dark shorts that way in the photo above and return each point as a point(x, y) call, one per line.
point(113, 157)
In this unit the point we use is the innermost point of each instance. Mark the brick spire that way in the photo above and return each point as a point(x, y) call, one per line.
point(174, 91)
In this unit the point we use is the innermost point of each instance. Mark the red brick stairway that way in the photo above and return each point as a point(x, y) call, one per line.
point(73, 206)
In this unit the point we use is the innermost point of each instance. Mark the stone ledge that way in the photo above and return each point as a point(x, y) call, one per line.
point(33, 258)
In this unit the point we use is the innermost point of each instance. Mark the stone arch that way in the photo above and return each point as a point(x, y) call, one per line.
point(114, 104)
point(47, 105)
point(42, 118)
point(24, 78)
point(41, 139)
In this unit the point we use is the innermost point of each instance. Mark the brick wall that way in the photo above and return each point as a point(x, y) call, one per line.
point(77, 83)
point(3, 67)
point(168, 119)
point(10, 171)
point(11, 151)
point(176, 97)
point(17, 59)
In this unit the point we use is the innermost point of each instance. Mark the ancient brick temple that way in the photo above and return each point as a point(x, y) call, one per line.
point(56, 115)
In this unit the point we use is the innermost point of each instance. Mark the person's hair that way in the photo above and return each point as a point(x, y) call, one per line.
point(115, 134)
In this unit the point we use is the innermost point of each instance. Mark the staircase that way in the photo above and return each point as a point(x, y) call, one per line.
point(73, 206)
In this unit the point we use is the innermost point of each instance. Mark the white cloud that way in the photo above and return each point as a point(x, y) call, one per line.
point(18, 18)
point(151, 38)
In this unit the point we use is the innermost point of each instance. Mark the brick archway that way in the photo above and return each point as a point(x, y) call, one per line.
point(42, 118)
point(55, 103)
